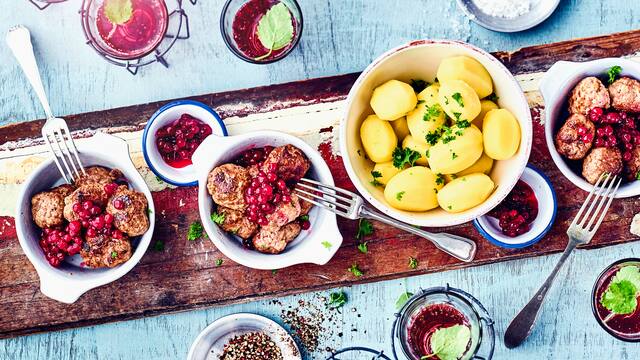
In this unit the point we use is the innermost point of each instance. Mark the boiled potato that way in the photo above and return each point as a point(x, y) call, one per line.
point(465, 192)
point(485, 107)
point(428, 115)
point(378, 139)
point(383, 172)
point(468, 70)
point(413, 189)
point(483, 165)
point(457, 149)
point(400, 127)
point(416, 145)
point(393, 100)
point(459, 100)
point(501, 134)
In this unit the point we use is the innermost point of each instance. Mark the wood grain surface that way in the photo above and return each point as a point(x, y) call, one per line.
point(183, 276)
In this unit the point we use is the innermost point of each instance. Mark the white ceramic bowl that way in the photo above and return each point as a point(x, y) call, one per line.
point(71, 280)
point(307, 247)
point(420, 60)
point(555, 87)
point(488, 226)
point(172, 111)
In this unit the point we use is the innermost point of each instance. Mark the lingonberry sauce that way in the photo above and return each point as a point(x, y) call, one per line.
point(516, 213)
point(427, 321)
point(628, 324)
point(178, 140)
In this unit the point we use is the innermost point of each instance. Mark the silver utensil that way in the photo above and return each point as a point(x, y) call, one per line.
point(351, 206)
point(580, 232)
point(55, 130)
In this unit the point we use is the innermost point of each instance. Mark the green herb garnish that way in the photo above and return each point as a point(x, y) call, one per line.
point(376, 175)
point(304, 217)
point(458, 98)
point(365, 228)
point(449, 343)
point(402, 299)
point(433, 136)
point(413, 263)
point(195, 231)
point(621, 295)
point(463, 124)
point(432, 112)
point(158, 245)
point(217, 218)
point(454, 156)
point(118, 11)
point(613, 73)
point(114, 254)
point(327, 244)
point(355, 270)
point(337, 300)
point(399, 195)
point(439, 179)
point(363, 248)
point(403, 157)
point(275, 29)
point(219, 262)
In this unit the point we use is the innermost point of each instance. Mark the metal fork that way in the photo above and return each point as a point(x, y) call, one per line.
point(55, 130)
point(351, 206)
point(602, 193)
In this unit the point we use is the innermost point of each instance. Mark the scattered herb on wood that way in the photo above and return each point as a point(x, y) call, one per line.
point(363, 248)
point(413, 263)
point(219, 262)
point(195, 231)
point(158, 245)
point(365, 228)
point(337, 300)
point(355, 270)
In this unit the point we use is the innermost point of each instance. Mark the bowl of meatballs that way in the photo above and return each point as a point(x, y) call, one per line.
point(248, 205)
point(88, 233)
point(593, 121)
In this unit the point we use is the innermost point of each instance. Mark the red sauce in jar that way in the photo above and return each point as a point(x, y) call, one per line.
point(428, 320)
point(624, 324)
point(178, 140)
point(516, 213)
point(245, 29)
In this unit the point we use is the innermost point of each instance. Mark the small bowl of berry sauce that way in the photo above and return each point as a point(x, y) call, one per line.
point(444, 316)
point(173, 134)
point(249, 28)
point(526, 214)
point(616, 299)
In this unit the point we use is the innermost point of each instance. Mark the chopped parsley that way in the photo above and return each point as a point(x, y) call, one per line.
point(446, 100)
point(158, 245)
point(449, 207)
point(274, 271)
point(447, 139)
point(454, 156)
point(219, 262)
point(399, 195)
point(327, 244)
point(613, 73)
point(365, 228)
point(363, 248)
point(217, 218)
point(159, 180)
point(403, 157)
point(114, 254)
point(463, 124)
point(304, 218)
point(355, 270)
point(638, 175)
point(493, 97)
point(402, 299)
point(433, 136)
point(439, 179)
point(432, 112)
point(337, 300)
point(418, 85)
point(458, 98)
point(195, 231)
point(413, 263)
point(376, 175)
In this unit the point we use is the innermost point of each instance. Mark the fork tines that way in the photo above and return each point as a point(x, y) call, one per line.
point(602, 193)
point(56, 134)
point(339, 201)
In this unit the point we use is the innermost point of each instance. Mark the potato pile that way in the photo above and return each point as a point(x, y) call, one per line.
point(435, 144)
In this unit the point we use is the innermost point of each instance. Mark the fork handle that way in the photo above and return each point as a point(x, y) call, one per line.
point(522, 324)
point(19, 41)
point(454, 245)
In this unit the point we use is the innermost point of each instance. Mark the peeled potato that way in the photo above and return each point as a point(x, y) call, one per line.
point(468, 70)
point(428, 115)
point(465, 192)
point(459, 100)
point(413, 189)
point(386, 171)
point(393, 100)
point(501, 134)
point(456, 150)
point(483, 165)
point(485, 107)
point(400, 127)
point(419, 146)
point(378, 139)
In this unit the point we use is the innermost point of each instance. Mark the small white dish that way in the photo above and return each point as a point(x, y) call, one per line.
point(547, 209)
point(555, 87)
point(539, 11)
point(68, 282)
point(308, 246)
point(172, 111)
point(211, 341)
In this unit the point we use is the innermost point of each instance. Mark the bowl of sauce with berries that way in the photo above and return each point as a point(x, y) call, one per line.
point(173, 134)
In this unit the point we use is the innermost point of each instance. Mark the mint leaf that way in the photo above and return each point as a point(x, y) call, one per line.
point(613, 73)
point(450, 343)
point(620, 297)
point(402, 299)
point(275, 29)
point(118, 11)
point(631, 273)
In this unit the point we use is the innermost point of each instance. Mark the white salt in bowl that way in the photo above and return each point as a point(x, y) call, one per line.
point(538, 12)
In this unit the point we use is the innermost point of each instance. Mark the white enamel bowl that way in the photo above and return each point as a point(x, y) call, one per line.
point(555, 86)
point(308, 246)
point(68, 282)
point(420, 60)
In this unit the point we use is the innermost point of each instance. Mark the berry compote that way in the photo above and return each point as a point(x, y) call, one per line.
point(430, 319)
point(178, 140)
point(615, 129)
point(516, 213)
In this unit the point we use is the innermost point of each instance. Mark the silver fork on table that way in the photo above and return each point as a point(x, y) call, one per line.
point(55, 130)
point(351, 206)
point(580, 232)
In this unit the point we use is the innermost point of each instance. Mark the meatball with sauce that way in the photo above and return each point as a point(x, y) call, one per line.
point(88, 192)
point(599, 161)
point(588, 94)
point(625, 94)
point(575, 137)
point(285, 212)
point(98, 175)
point(129, 210)
point(226, 185)
point(274, 240)
point(235, 222)
point(47, 207)
point(105, 251)
point(632, 167)
point(290, 162)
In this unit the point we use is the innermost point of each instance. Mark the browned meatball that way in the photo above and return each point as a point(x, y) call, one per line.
point(235, 222)
point(625, 94)
point(226, 185)
point(98, 175)
point(632, 167)
point(588, 94)
point(87, 192)
point(47, 207)
point(129, 210)
point(569, 143)
point(599, 161)
point(275, 240)
point(290, 161)
point(305, 206)
point(105, 251)
point(253, 170)
point(285, 213)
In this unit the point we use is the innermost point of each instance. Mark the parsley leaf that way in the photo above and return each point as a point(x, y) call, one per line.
point(402, 299)
point(365, 228)
point(613, 73)
point(432, 112)
point(362, 247)
point(158, 245)
point(337, 300)
point(620, 297)
point(195, 231)
point(402, 157)
point(275, 29)
point(638, 175)
point(458, 98)
point(114, 254)
point(463, 124)
point(355, 270)
point(454, 156)
point(418, 85)
point(327, 245)
point(118, 11)
point(219, 262)
point(413, 263)
point(432, 137)
point(399, 195)
point(376, 175)
point(217, 218)
point(304, 217)
point(450, 343)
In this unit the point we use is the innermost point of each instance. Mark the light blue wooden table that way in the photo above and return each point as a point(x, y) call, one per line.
point(340, 36)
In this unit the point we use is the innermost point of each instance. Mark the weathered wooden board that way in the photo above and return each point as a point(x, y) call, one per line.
point(184, 276)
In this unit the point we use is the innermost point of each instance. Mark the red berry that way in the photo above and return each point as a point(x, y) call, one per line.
point(118, 204)
point(595, 114)
point(87, 205)
point(305, 225)
point(613, 118)
point(77, 207)
point(108, 218)
point(110, 188)
point(91, 232)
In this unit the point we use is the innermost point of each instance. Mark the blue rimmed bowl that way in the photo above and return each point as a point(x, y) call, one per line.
point(172, 111)
point(547, 209)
